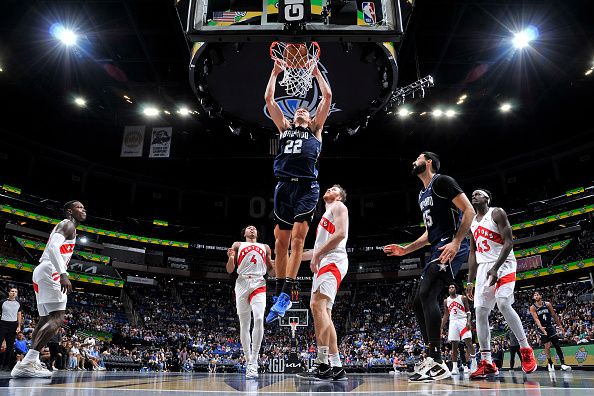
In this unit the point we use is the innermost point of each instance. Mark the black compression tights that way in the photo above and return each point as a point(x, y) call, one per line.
point(426, 306)
point(555, 342)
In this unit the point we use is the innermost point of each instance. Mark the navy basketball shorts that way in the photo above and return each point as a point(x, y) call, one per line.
point(295, 202)
point(447, 273)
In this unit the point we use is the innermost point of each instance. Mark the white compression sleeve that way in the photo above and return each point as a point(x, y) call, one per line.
point(258, 331)
point(482, 328)
point(53, 249)
point(245, 320)
point(513, 320)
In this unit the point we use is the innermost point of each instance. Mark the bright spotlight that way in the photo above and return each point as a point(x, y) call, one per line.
point(80, 101)
point(150, 111)
point(506, 107)
point(66, 36)
point(83, 239)
point(450, 113)
point(184, 111)
point(587, 73)
point(437, 113)
point(403, 112)
point(463, 97)
point(522, 39)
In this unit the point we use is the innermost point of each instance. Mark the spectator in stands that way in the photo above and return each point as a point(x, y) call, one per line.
point(21, 347)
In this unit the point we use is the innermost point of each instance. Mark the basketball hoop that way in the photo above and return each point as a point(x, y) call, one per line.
point(298, 61)
point(293, 328)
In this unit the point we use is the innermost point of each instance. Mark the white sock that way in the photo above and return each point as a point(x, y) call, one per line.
point(335, 360)
point(323, 354)
point(31, 356)
point(486, 355)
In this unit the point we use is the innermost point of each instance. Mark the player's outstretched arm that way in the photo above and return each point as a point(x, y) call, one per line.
point(500, 218)
point(536, 320)
point(555, 317)
point(323, 109)
point(231, 257)
point(64, 230)
point(307, 255)
point(269, 261)
point(273, 109)
point(468, 312)
point(399, 250)
point(472, 267)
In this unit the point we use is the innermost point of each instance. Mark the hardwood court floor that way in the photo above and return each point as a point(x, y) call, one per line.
point(134, 383)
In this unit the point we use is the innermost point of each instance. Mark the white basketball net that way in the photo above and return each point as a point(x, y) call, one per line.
point(297, 68)
point(293, 328)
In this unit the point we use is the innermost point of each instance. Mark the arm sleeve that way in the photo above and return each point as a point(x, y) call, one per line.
point(447, 187)
point(53, 249)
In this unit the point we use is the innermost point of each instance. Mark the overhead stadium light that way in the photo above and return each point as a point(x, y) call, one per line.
point(183, 111)
point(450, 113)
point(505, 108)
point(80, 101)
point(437, 113)
point(404, 112)
point(66, 36)
point(522, 39)
point(150, 111)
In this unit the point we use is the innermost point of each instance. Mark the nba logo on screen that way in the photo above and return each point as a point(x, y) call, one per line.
point(369, 12)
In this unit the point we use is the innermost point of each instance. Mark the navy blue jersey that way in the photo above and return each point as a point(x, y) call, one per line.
point(544, 315)
point(298, 154)
point(442, 218)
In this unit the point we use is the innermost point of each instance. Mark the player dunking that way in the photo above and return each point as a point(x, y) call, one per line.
point(329, 263)
point(543, 314)
point(297, 191)
point(447, 214)
point(493, 264)
point(252, 260)
point(51, 284)
point(457, 309)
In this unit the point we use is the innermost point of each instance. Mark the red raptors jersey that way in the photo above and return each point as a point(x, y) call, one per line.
point(488, 240)
point(456, 307)
point(325, 229)
point(251, 259)
point(66, 249)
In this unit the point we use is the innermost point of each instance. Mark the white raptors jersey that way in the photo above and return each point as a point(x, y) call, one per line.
point(326, 228)
point(251, 259)
point(488, 240)
point(456, 307)
point(66, 249)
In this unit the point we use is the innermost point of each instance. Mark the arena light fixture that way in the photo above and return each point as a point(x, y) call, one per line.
point(65, 35)
point(126, 97)
point(183, 111)
point(437, 113)
point(84, 239)
point(1, 69)
point(80, 101)
point(450, 113)
point(463, 97)
point(522, 39)
point(150, 111)
point(403, 112)
point(587, 73)
point(167, 112)
point(505, 107)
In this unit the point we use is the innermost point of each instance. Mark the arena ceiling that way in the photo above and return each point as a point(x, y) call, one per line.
point(136, 48)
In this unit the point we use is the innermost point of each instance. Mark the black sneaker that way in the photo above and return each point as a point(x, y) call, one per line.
point(338, 374)
point(312, 373)
point(324, 373)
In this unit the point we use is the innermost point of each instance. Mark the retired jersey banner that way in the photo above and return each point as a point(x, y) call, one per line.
point(133, 141)
point(161, 142)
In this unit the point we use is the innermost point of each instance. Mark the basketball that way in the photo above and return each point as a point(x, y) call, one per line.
point(296, 56)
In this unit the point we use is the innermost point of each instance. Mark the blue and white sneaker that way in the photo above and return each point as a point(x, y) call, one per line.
point(282, 304)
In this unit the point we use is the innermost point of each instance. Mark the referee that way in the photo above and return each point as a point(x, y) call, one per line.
point(10, 325)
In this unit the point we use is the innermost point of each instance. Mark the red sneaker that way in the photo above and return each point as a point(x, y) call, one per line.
point(528, 361)
point(484, 369)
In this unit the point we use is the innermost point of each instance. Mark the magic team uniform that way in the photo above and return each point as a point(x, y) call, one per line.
point(46, 279)
point(296, 169)
point(458, 320)
point(250, 287)
point(489, 243)
point(442, 219)
point(334, 265)
point(546, 320)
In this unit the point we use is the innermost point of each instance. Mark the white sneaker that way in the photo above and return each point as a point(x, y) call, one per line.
point(420, 370)
point(455, 370)
point(251, 371)
point(551, 367)
point(466, 370)
point(473, 365)
point(565, 367)
point(30, 370)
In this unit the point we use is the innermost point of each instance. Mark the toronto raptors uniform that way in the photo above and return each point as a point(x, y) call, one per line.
point(250, 287)
point(489, 243)
point(458, 319)
point(334, 265)
point(46, 278)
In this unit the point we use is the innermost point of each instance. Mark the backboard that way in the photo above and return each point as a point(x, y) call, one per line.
point(291, 20)
point(301, 316)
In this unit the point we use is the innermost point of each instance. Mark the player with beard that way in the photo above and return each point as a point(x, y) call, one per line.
point(447, 214)
point(297, 190)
